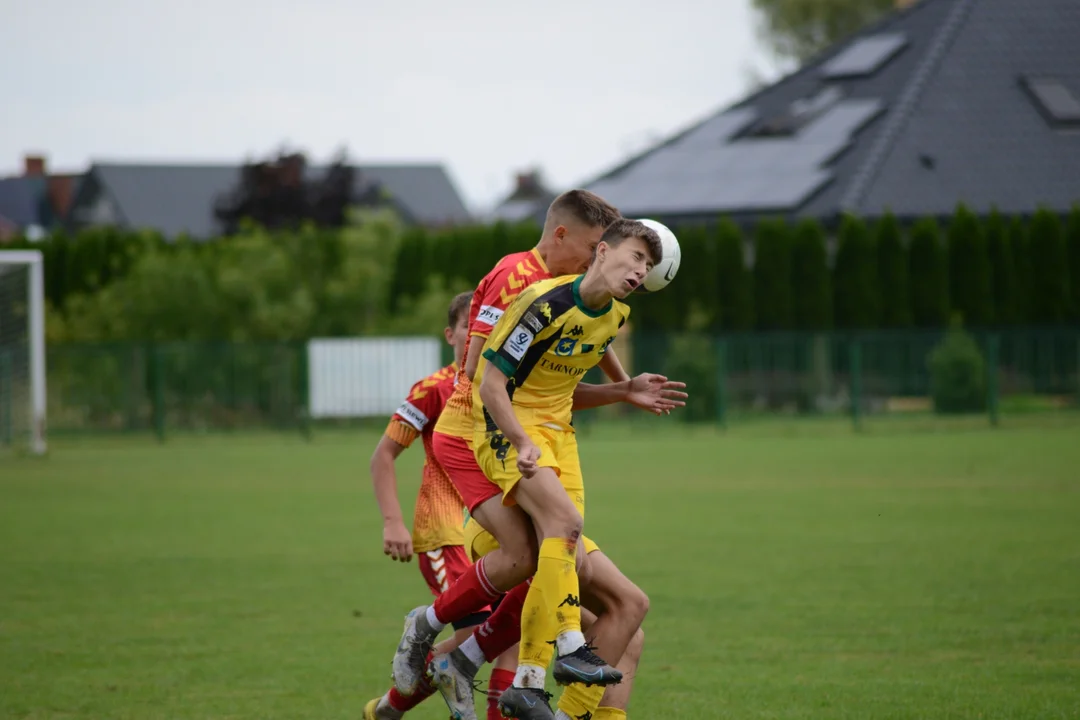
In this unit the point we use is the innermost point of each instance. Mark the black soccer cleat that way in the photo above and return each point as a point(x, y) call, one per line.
point(525, 704)
point(583, 666)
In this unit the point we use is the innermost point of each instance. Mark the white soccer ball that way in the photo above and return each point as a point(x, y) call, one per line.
point(664, 271)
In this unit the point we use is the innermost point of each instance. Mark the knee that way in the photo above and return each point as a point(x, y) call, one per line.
point(636, 605)
point(567, 523)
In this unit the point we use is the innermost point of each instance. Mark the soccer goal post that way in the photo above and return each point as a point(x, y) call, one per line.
point(22, 351)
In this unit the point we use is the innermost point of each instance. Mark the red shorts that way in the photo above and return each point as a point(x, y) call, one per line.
point(440, 568)
point(457, 458)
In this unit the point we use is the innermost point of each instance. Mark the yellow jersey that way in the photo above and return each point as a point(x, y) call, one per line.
point(544, 343)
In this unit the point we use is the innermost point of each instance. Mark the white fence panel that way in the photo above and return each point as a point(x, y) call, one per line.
point(366, 377)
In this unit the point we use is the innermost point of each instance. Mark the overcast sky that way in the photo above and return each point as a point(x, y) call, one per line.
point(485, 86)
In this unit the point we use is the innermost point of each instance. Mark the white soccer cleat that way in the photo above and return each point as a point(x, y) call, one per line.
point(455, 678)
point(410, 659)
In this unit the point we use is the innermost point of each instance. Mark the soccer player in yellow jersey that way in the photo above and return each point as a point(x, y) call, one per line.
point(523, 394)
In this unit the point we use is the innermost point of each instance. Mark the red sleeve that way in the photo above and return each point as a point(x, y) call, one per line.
point(420, 409)
point(504, 284)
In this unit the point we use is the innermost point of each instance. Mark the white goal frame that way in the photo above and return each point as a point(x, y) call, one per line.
point(35, 265)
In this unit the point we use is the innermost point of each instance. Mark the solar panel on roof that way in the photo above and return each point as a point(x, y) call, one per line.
point(865, 56)
point(1056, 101)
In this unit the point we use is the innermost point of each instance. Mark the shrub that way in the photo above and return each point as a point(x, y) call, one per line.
point(957, 374)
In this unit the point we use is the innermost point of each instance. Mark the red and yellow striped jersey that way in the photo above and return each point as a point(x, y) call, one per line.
point(493, 295)
point(439, 516)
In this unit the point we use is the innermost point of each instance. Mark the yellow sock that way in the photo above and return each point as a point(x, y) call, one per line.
point(551, 605)
point(558, 557)
point(579, 701)
point(609, 714)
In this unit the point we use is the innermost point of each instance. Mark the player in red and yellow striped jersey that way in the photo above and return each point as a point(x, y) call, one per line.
point(438, 535)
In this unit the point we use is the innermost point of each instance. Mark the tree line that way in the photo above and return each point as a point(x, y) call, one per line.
point(376, 276)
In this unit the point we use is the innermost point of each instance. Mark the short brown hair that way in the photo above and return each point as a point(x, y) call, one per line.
point(581, 205)
point(459, 305)
point(622, 229)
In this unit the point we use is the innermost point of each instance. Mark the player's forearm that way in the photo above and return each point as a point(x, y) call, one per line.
point(587, 395)
point(612, 367)
point(497, 402)
point(472, 355)
point(384, 482)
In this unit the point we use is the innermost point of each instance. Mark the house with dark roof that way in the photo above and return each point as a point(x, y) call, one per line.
point(180, 199)
point(32, 203)
point(941, 102)
point(528, 201)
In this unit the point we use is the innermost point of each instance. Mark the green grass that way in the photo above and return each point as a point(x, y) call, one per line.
point(914, 575)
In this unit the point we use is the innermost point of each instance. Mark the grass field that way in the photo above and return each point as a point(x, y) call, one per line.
point(914, 575)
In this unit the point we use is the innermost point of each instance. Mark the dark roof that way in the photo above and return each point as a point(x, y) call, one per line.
point(915, 113)
point(21, 200)
point(175, 199)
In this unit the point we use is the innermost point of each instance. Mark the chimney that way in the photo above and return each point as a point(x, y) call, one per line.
point(34, 166)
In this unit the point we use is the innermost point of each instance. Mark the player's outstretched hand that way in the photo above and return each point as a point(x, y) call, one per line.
point(528, 455)
point(656, 393)
point(397, 542)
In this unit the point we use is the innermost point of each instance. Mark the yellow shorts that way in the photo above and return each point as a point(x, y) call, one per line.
point(479, 542)
point(497, 458)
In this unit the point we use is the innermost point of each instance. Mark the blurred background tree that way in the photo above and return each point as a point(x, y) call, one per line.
point(796, 30)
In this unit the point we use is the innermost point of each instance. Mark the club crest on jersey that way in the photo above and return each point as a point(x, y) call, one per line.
point(565, 347)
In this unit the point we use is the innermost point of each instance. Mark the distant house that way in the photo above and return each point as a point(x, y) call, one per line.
point(179, 199)
point(32, 203)
point(528, 201)
point(941, 102)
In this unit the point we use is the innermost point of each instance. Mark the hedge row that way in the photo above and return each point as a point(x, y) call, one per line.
point(996, 271)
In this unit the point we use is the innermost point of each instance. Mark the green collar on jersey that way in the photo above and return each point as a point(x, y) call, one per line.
point(582, 306)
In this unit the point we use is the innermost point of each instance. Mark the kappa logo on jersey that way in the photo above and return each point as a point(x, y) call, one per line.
point(544, 309)
point(576, 331)
point(413, 416)
point(565, 346)
point(489, 315)
point(518, 342)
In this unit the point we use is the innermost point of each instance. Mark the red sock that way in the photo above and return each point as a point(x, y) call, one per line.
point(423, 691)
point(500, 680)
point(499, 632)
point(470, 593)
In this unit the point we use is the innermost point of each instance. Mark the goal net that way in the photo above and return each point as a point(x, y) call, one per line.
point(22, 351)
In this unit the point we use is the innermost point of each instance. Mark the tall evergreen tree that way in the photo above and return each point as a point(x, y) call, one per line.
point(1002, 269)
point(1072, 235)
point(734, 291)
point(969, 269)
point(855, 297)
point(772, 275)
point(810, 281)
point(928, 276)
point(1020, 249)
point(892, 274)
point(1049, 269)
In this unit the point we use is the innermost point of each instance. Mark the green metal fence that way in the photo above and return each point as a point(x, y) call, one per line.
point(733, 379)
point(176, 386)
